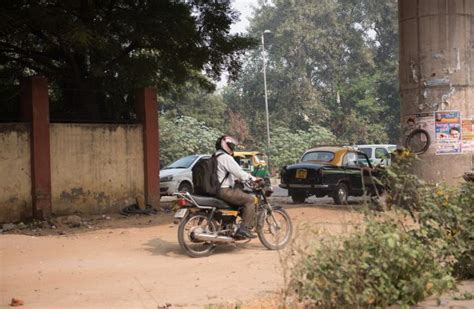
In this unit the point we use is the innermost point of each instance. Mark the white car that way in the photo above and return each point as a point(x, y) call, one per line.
point(178, 177)
point(378, 153)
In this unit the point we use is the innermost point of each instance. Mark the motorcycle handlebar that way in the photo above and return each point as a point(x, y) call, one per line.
point(260, 184)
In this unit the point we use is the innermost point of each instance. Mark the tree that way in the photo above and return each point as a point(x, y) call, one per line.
point(331, 63)
point(96, 53)
point(292, 101)
point(183, 135)
point(288, 145)
point(384, 22)
point(237, 127)
point(195, 100)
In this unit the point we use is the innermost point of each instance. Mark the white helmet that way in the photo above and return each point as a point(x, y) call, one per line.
point(226, 143)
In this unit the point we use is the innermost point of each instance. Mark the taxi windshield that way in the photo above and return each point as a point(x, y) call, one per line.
point(325, 156)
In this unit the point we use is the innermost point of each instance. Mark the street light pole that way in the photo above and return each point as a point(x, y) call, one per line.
point(265, 84)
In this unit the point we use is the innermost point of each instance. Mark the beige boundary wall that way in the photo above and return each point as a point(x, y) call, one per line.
point(15, 171)
point(95, 168)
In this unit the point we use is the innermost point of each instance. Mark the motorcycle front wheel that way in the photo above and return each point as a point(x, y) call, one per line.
point(190, 226)
point(274, 229)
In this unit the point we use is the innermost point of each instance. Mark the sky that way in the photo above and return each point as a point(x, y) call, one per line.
point(245, 9)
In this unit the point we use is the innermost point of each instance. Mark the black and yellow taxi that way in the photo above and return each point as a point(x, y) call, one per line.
point(335, 171)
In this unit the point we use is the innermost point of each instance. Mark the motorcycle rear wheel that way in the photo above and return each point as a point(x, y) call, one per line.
point(275, 231)
point(191, 224)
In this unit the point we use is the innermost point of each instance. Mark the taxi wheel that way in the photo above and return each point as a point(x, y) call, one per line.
point(298, 198)
point(340, 194)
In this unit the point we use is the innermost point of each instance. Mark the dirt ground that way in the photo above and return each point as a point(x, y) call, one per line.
point(136, 262)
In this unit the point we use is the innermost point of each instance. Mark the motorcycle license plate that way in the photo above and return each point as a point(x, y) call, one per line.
point(181, 213)
point(301, 173)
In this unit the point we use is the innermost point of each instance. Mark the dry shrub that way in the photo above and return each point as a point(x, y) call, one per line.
point(386, 261)
point(379, 266)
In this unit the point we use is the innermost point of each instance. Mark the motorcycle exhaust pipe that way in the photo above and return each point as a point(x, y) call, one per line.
point(213, 237)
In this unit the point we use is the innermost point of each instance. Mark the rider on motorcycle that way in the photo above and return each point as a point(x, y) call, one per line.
point(227, 171)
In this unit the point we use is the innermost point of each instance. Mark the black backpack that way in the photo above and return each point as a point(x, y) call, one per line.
point(205, 180)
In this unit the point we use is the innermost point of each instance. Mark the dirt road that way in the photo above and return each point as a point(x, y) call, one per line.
point(137, 263)
point(141, 266)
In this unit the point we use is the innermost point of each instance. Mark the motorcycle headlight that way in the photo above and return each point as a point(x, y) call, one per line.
point(166, 178)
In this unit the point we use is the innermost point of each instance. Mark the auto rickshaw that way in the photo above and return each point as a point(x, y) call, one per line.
point(253, 162)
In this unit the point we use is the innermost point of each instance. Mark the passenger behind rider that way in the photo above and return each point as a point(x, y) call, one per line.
point(228, 170)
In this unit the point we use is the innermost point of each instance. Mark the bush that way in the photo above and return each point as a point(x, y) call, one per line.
point(378, 267)
point(405, 189)
point(181, 136)
point(443, 212)
point(390, 262)
point(288, 146)
point(448, 214)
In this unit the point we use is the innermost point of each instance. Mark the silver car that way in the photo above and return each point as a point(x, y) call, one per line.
point(378, 153)
point(178, 177)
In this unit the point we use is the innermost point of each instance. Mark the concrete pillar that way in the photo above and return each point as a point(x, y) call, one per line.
point(147, 113)
point(35, 109)
point(436, 75)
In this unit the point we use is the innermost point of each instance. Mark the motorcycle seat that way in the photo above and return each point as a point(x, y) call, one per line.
point(211, 201)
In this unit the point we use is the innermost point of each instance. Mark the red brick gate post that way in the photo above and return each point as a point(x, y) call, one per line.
point(35, 109)
point(147, 114)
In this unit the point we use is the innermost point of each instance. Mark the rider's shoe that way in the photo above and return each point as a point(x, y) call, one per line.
point(244, 232)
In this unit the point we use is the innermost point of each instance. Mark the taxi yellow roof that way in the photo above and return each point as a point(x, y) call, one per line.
point(331, 148)
point(244, 153)
point(339, 152)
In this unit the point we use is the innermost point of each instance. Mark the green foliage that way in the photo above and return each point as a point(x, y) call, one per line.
point(448, 214)
point(381, 266)
point(392, 261)
point(287, 145)
point(97, 53)
point(197, 101)
point(444, 213)
point(405, 190)
point(330, 63)
point(363, 108)
point(184, 135)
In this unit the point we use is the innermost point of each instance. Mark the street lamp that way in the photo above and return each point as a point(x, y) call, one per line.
point(265, 84)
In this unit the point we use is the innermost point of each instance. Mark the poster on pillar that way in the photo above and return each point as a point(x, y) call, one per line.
point(448, 132)
point(467, 134)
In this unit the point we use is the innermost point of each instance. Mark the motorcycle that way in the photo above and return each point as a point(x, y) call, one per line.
point(207, 221)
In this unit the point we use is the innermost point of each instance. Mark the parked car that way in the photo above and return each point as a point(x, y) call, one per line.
point(334, 171)
point(178, 177)
point(378, 153)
